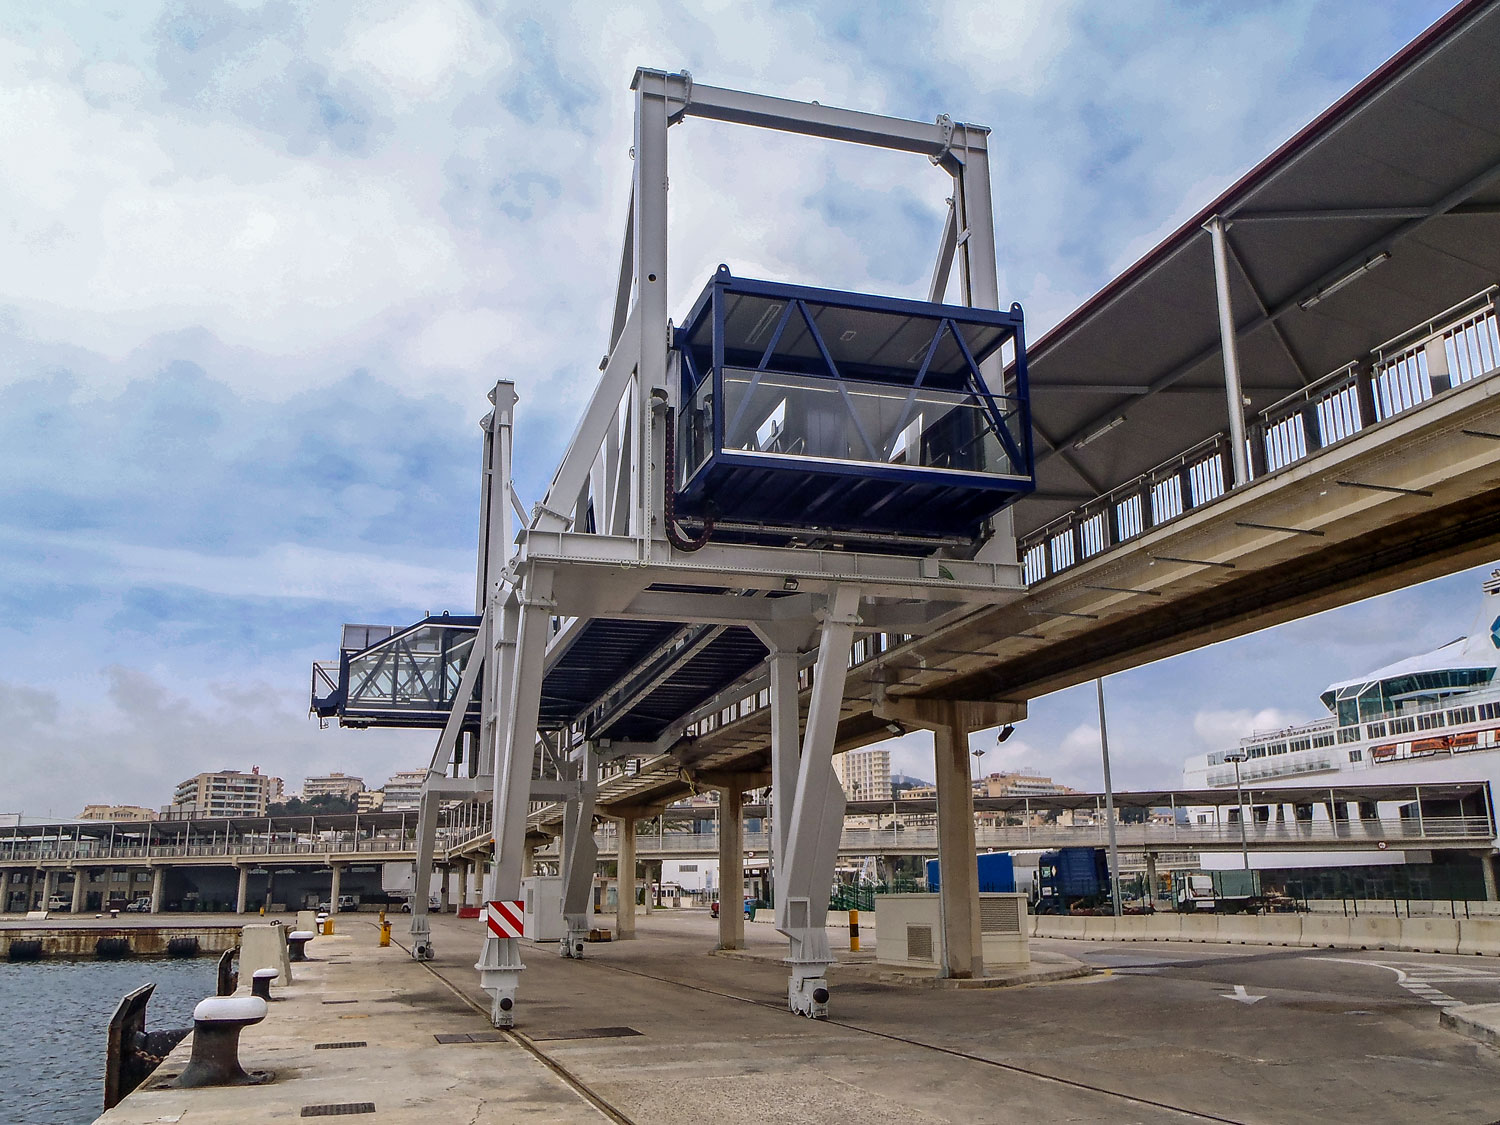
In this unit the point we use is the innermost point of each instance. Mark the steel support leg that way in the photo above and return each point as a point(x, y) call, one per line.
point(526, 622)
point(963, 955)
point(579, 854)
point(817, 818)
point(421, 883)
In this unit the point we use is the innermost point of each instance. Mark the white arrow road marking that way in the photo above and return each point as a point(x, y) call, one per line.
point(1241, 995)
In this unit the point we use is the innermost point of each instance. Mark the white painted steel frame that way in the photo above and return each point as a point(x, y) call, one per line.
point(613, 466)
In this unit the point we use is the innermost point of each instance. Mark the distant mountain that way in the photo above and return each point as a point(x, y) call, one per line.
point(906, 781)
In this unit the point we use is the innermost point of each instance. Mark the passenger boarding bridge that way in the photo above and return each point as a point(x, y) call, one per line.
point(1287, 405)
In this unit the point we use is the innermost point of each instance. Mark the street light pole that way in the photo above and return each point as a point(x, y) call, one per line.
point(1238, 756)
point(1109, 802)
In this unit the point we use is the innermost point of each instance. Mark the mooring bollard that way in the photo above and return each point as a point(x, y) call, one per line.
point(260, 982)
point(217, 1024)
point(296, 943)
point(322, 926)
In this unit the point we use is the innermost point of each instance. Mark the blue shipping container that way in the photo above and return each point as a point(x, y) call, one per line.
point(997, 873)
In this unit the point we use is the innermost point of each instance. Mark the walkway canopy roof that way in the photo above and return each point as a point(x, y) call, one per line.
point(1401, 175)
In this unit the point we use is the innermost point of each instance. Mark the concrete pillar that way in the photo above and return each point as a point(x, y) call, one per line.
point(625, 894)
point(49, 885)
point(270, 888)
point(158, 885)
point(731, 867)
point(1487, 863)
point(464, 867)
point(445, 889)
point(1151, 878)
point(335, 882)
point(80, 881)
point(963, 954)
point(241, 896)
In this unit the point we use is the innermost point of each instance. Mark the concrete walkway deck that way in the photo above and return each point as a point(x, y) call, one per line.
point(661, 1030)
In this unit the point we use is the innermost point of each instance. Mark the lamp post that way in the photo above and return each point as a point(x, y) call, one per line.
point(1238, 756)
point(1109, 802)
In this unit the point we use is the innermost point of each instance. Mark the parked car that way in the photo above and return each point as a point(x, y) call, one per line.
point(141, 905)
point(346, 902)
point(59, 902)
point(713, 909)
point(434, 904)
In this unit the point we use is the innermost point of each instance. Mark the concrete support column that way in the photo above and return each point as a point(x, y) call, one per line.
point(158, 886)
point(270, 887)
point(49, 885)
point(1487, 864)
point(1151, 878)
point(445, 889)
point(625, 882)
point(106, 881)
point(731, 867)
point(334, 885)
point(242, 893)
point(80, 881)
point(464, 867)
point(963, 954)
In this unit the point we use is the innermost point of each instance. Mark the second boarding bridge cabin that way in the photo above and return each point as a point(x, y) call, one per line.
point(746, 496)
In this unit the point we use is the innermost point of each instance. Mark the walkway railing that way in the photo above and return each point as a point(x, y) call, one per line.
point(1337, 835)
point(1456, 347)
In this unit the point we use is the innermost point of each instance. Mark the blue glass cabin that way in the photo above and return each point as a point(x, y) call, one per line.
point(819, 411)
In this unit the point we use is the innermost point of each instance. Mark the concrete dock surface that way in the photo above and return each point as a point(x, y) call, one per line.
point(661, 1029)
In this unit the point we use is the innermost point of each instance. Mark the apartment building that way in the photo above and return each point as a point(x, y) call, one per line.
point(333, 785)
point(226, 793)
point(864, 774)
point(116, 812)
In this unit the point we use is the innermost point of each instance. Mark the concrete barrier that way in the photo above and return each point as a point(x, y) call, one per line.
point(1164, 926)
point(1370, 931)
point(1099, 927)
point(1031, 926)
point(263, 946)
point(1200, 927)
point(1131, 927)
point(1280, 929)
point(1430, 935)
point(1325, 931)
point(1479, 935)
point(1241, 929)
point(1059, 926)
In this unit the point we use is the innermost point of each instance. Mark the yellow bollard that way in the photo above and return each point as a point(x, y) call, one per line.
point(328, 926)
point(385, 933)
point(854, 931)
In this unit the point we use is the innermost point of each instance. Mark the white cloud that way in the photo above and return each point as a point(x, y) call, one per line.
point(280, 570)
point(421, 51)
point(1222, 730)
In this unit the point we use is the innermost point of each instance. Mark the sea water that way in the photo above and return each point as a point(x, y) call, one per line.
point(54, 1017)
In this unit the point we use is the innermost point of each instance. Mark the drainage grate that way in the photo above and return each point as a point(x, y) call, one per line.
point(588, 1033)
point(337, 1109)
point(470, 1037)
point(341, 1001)
point(337, 1046)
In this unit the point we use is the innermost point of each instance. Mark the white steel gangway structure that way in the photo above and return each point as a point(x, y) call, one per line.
point(667, 621)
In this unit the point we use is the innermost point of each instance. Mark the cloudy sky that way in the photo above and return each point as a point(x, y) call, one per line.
point(261, 262)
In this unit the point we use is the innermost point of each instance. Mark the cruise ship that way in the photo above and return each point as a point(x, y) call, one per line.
point(1429, 720)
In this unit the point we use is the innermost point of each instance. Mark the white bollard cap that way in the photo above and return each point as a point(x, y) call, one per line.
point(230, 1009)
point(301, 935)
point(266, 974)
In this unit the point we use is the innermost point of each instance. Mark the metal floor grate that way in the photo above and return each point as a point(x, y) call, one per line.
point(587, 1033)
point(470, 1037)
point(336, 1046)
point(337, 1109)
